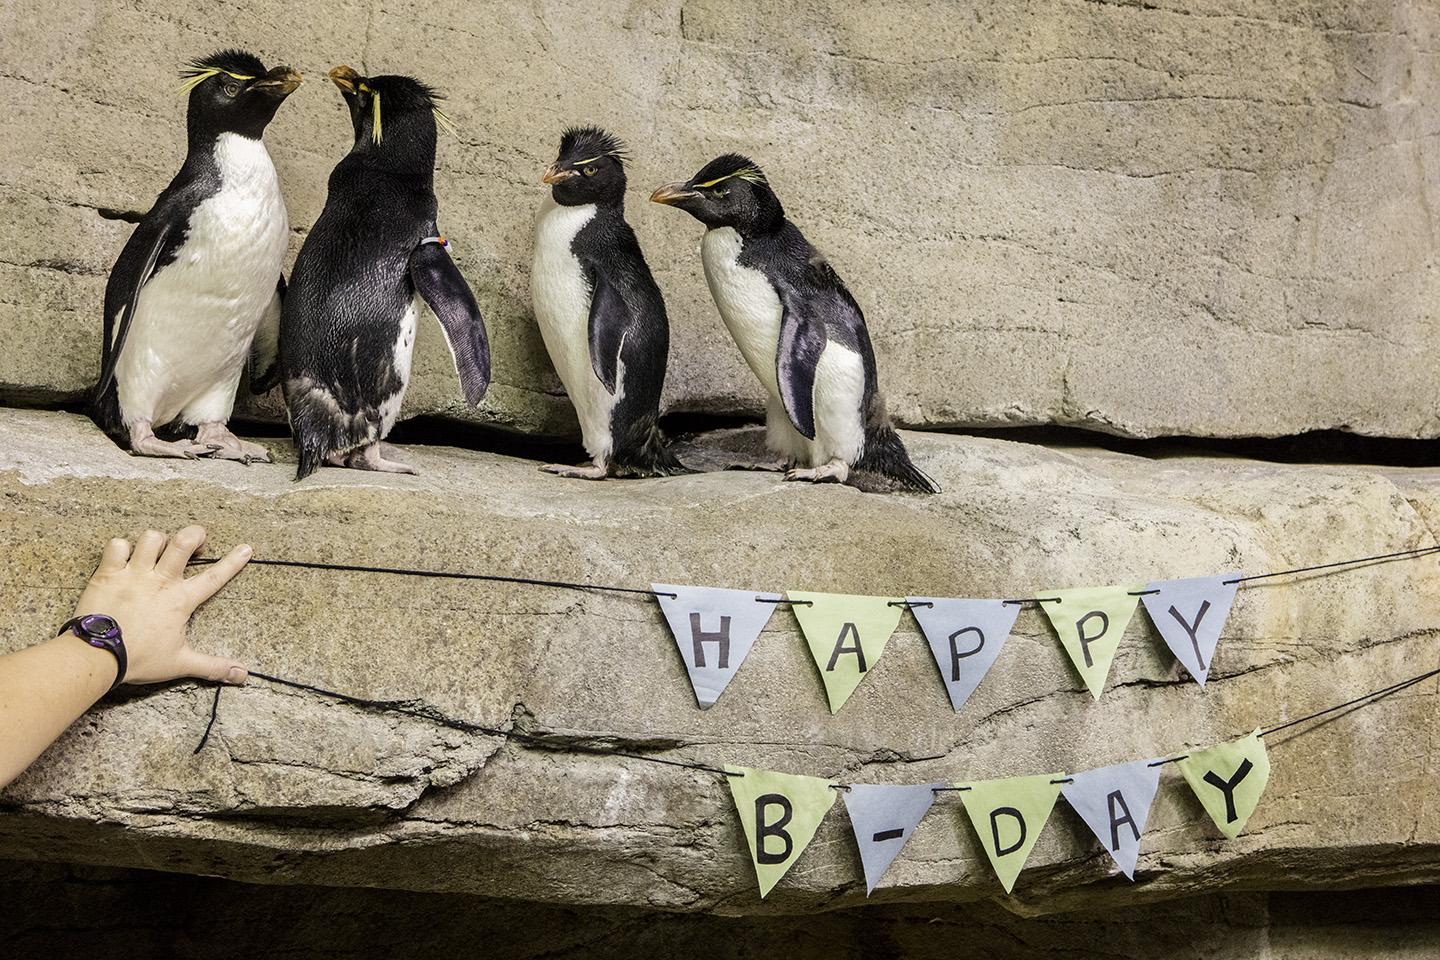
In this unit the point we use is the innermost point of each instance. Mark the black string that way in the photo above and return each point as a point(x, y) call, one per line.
point(422, 711)
point(214, 709)
point(1380, 558)
point(571, 585)
point(425, 712)
point(443, 575)
point(1364, 700)
point(1372, 696)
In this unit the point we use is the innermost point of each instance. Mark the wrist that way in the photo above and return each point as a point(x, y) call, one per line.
point(102, 634)
point(90, 668)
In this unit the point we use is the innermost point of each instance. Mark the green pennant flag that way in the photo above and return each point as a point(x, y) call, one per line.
point(1229, 778)
point(1008, 816)
point(1090, 622)
point(846, 635)
point(780, 813)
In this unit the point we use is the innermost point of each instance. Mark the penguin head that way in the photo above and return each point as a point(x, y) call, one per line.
point(232, 92)
point(589, 169)
point(729, 191)
point(394, 118)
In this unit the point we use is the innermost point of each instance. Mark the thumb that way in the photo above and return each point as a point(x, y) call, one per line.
point(203, 666)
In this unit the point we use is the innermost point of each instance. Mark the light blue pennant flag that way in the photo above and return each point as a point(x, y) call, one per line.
point(714, 629)
point(965, 637)
point(1114, 802)
point(883, 817)
point(1190, 615)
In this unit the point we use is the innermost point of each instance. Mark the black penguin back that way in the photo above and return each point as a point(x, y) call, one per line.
point(607, 247)
point(351, 287)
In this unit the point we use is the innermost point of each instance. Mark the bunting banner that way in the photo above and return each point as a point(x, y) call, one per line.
point(1229, 778)
point(1114, 802)
point(779, 813)
point(883, 817)
point(714, 629)
point(1189, 614)
point(1008, 816)
point(965, 636)
point(1090, 622)
point(846, 635)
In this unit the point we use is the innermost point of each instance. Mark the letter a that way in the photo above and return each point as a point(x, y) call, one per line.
point(848, 629)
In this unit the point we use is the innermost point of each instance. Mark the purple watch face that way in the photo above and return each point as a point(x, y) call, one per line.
point(100, 626)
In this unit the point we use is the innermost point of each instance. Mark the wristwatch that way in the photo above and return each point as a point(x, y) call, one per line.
point(100, 631)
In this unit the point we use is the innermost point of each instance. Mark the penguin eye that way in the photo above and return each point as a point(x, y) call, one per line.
point(232, 89)
point(588, 171)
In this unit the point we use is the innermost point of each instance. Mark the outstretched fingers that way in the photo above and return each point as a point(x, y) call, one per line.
point(208, 582)
point(114, 557)
point(147, 549)
point(203, 666)
point(179, 550)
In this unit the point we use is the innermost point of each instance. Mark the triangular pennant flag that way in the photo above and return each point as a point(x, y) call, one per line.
point(1190, 614)
point(965, 636)
point(780, 813)
point(883, 817)
point(846, 635)
point(714, 629)
point(1090, 622)
point(1229, 778)
point(1115, 802)
point(1008, 816)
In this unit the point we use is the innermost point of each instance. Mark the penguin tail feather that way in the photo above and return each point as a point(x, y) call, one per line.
point(104, 409)
point(311, 460)
point(652, 457)
point(885, 465)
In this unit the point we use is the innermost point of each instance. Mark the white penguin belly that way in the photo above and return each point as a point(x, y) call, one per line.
point(561, 300)
point(404, 352)
point(748, 304)
point(196, 317)
point(751, 310)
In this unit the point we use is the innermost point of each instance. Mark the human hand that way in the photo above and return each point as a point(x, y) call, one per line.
point(147, 594)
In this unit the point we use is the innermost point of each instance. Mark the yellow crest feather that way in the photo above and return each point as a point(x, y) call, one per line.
point(375, 132)
point(442, 118)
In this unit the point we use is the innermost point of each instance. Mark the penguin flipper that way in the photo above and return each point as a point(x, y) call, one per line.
point(265, 348)
point(445, 290)
point(609, 323)
point(802, 341)
point(148, 241)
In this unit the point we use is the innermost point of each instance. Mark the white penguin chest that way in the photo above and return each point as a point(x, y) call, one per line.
point(196, 317)
point(560, 296)
point(748, 303)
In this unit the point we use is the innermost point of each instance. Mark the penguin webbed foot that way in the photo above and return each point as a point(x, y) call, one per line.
point(586, 471)
point(835, 471)
point(369, 458)
point(765, 466)
point(144, 443)
point(230, 447)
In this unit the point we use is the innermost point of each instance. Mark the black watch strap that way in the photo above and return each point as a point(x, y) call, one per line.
point(102, 632)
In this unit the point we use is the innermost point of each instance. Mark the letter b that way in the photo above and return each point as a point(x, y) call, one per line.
point(776, 829)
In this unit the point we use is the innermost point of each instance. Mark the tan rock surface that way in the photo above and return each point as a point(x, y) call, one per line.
point(294, 789)
point(1199, 217)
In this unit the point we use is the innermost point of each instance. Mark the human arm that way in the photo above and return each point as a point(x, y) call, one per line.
point(46, 687)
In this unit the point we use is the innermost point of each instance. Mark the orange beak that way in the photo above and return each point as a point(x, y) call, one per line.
point(553, 174)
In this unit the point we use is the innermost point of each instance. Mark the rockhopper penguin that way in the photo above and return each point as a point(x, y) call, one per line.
point(600, 313)
point(799, 329)
point(349, 323)
point(200, 274)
